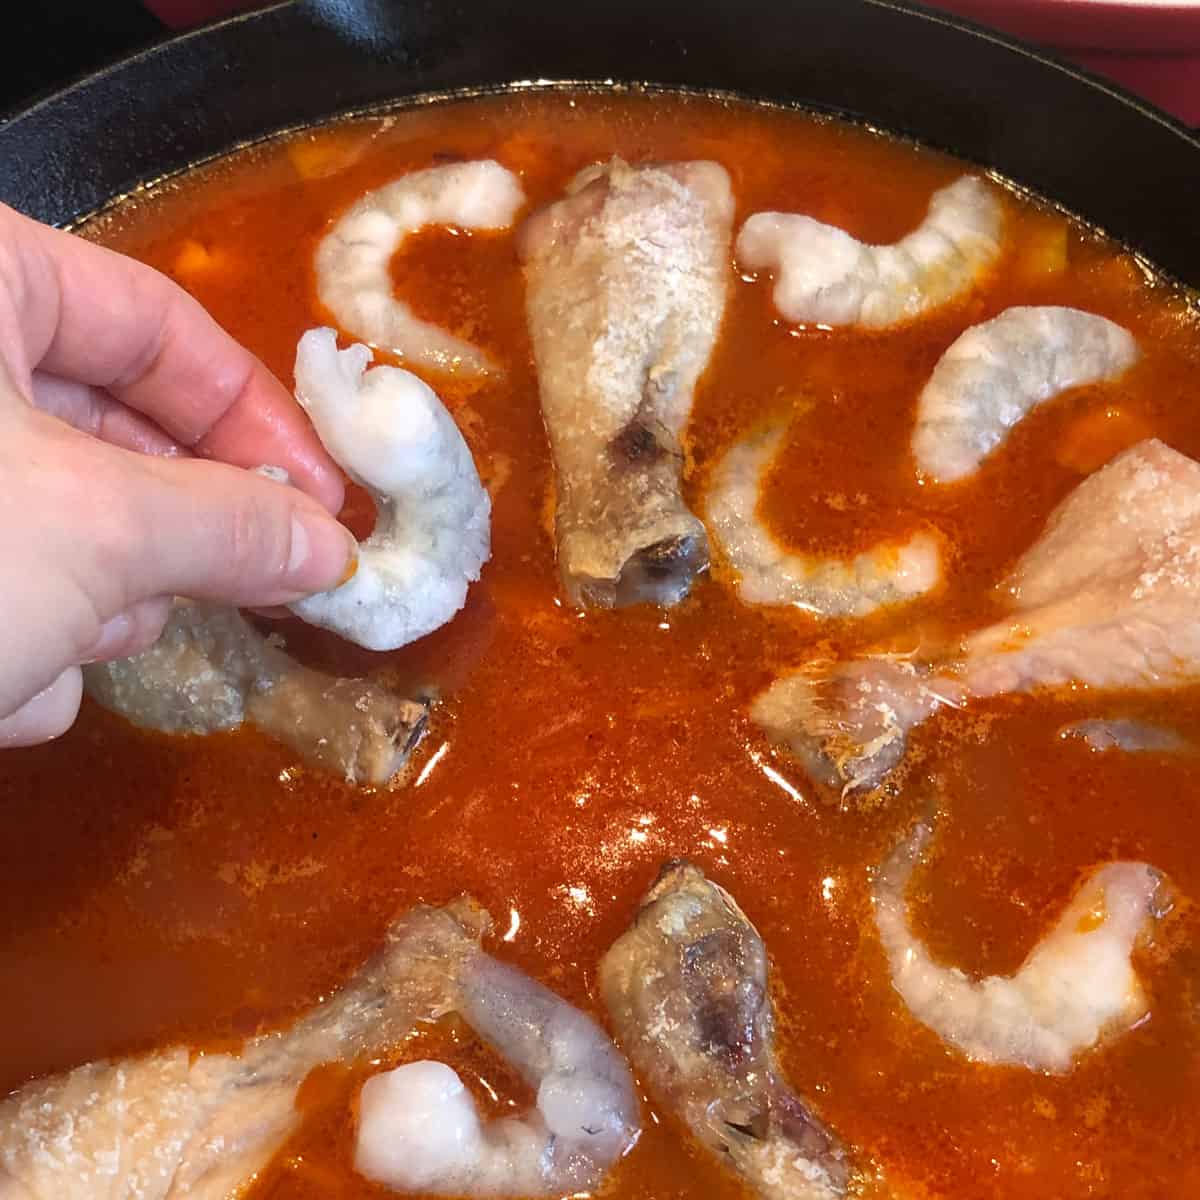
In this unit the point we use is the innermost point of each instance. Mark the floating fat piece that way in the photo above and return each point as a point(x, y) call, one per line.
point(826, 277)
point(1127, 734)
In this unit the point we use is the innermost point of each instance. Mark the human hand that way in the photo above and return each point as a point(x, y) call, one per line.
point(115, 388)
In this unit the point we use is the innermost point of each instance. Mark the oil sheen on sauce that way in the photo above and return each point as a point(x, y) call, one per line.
point(154, 889)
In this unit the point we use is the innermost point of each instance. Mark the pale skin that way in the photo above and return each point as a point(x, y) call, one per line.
point(126, 417)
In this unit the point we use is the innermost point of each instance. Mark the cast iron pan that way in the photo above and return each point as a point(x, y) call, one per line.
point(1120, 164)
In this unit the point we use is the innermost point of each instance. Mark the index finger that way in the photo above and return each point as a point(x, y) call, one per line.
point(92, 315)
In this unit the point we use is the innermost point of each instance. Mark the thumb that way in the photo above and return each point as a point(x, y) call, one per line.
point(214, 532)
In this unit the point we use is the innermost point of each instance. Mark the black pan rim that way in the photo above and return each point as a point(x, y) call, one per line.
point(618, 87)
point(1044, 56)
point(1073, 141)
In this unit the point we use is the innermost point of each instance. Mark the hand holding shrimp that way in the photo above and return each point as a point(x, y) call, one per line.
point(112, 525)
point(432, 536)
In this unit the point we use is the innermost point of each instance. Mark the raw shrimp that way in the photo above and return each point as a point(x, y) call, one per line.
point(419, 1130)
point(211, 670)
point(827, 277)
point(626, 280)
point(1076, 988)
point(177, 1124)
point(392, 435)
point(686, 985)
point(353, 261)
point(830, 587)
point(997, 372)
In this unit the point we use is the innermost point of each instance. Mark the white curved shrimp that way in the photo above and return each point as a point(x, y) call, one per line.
point(1076, 986)
point(392, 435)
point(890, 573)
point(419, 1130)
point(353, 260)
point(825, 276)
point(997, 372)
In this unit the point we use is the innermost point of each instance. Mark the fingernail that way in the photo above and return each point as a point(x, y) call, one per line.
point(114, 636)
point(351, 567)
point(320, 551)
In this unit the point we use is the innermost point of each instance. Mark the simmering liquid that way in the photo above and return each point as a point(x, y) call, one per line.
point(156, 889)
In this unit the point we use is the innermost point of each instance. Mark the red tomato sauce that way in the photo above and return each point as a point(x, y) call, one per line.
point(157, 889)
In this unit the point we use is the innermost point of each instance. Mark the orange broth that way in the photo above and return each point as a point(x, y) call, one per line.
point(157, 889)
